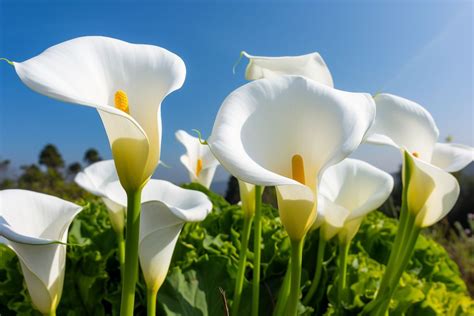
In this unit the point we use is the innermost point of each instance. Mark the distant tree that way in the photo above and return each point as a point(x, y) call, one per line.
point(31, 175)
point(50, 157)
point(91, 156)
point(4, 164)
point(74, 168)
point(4, 167)
point(7, 184)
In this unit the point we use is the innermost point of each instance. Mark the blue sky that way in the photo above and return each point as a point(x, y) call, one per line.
point(419, 50)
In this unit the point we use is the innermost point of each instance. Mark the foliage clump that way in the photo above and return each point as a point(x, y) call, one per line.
point(206, 258)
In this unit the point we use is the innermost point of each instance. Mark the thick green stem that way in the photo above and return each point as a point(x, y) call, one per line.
point(51, 313)
point(402, 250)
point(283, 293)
point(257, 249)
point(121, 252)
point(151, 302)
point(317, 271)
point(341, 284)
point(131, 253)
point(239, 282)
point(296, 261)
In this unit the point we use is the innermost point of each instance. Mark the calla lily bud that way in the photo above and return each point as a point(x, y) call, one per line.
point(198, 160)
point(247, 197)
point(35, 226)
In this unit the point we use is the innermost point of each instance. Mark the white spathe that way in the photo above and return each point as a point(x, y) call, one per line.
point(198, 160)
point(431, 191)
point(95, 179)
point(165, 209)
point(406, 125)
point(311, 66)
point(32, 224)
point(351, 187)
point(452, 157)
point(264, 124)
point(90, 70)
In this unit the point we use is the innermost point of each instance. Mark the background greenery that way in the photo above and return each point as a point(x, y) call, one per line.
point(204, 265)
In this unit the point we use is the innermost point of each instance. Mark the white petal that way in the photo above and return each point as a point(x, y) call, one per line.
point(206, 175)
point(116, 194)
point(431, 193)
point(208, 159)
point(167, 208)
point(90, 70)
point(116, 214)
point(35, 214)
point(95, 177)
point(311, 66)
point(333, 217)
point(189, 205)
point(29, 216)
point(452, 157)
point(180, 201)
point(262, 125)
point(297, 208)
point(192, 146)
point(356, 186)
point(404, 124)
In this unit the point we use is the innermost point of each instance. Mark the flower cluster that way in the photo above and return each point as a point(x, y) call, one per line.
point(288, 128)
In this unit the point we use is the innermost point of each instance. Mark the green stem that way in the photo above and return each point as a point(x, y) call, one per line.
point(51, 313)
point(296, 261)
point(131, 253)
point(239, 282)
point(403, 248)
point(283, 293)
point(341, 285)
point(151, 302)
point(317, 271)
point(257, 249)
point(121, 252)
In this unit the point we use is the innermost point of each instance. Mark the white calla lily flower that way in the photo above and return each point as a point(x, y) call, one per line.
point(35, 226)
point(125, 82)
point(95, 179)
point(406, 125)
point(198, 160)
point(165, 209)
point(311, 66)
point(352, 188)
point(431, 191)
point(285, 132)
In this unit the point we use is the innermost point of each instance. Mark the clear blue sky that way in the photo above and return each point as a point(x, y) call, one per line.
point(422, 51)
